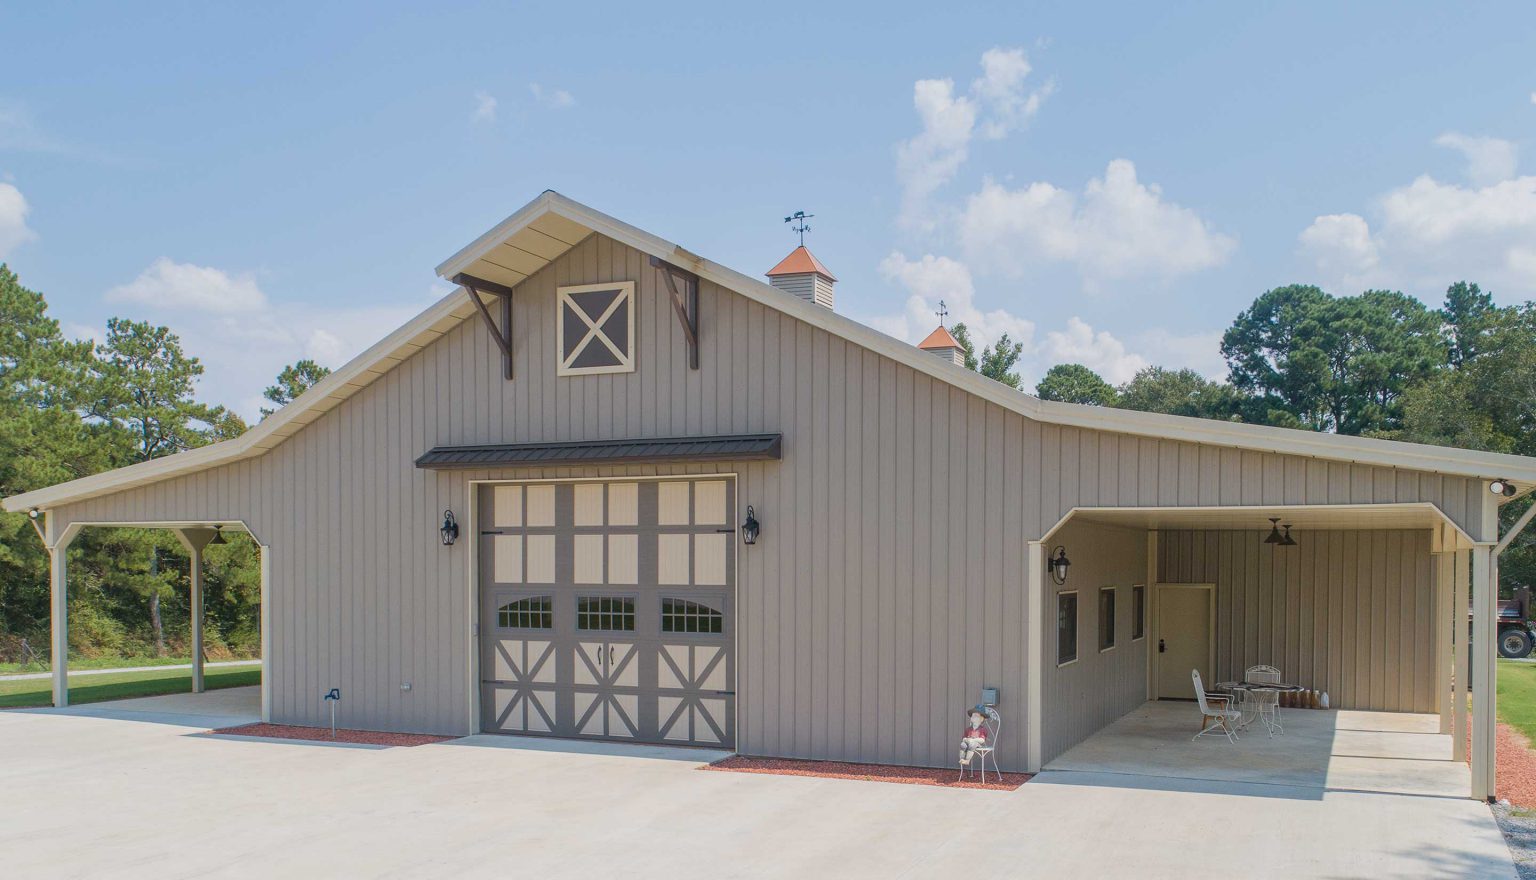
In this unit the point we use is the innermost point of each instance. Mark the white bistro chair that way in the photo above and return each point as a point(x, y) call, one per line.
point(993, 722)
point(1266, 704)
point(1216, 712)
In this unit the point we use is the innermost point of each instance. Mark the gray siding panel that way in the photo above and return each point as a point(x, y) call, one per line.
point(888, 587)
point(1344, 612)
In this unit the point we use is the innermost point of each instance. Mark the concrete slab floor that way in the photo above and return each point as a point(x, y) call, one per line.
point(102, 793)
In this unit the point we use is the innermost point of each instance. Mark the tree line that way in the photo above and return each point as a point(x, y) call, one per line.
point(1377, 364)
point(72, 408)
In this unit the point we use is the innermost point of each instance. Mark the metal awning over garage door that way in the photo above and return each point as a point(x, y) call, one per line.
point(733, 447)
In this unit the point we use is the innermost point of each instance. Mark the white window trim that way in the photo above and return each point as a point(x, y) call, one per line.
point(1144, 609)
point(562, 363)
point(1114, 623)
point(1077, 653)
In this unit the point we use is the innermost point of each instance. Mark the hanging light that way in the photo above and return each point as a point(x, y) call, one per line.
point(1274, 532)
point(751, 528)
point(1058, 565)
point(1502, 487)
point(218, 536)
point(450, 529)
point(1288, 541)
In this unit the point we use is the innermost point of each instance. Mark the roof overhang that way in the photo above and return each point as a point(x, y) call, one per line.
point(547, 227)
point(1301, 518)
point(734, 447)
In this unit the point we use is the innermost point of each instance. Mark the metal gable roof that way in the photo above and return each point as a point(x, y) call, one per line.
point(551, 224)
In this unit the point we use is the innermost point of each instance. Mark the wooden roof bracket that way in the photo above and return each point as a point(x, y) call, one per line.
point(685, 306)
point(503, 334)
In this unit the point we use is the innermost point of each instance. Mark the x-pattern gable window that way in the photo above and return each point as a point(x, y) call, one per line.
point(596, 329)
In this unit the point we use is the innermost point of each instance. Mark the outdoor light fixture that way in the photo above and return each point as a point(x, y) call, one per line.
point(218, 536)
point(750, 528)
point(1288, 541)
point(1274, 532)
point(1502, 487)
point(450, 529)
point(1058, 564)
point(34, 513)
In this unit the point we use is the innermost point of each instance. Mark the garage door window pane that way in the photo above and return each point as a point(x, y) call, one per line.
point(684, 616)
point(535, 612)
point(606, 613)
point(1066, 628)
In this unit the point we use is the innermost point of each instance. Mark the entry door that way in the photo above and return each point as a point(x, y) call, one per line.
point(606, 609)
point(1183, 639)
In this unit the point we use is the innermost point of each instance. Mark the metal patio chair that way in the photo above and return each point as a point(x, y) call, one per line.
point(1266, 704)
point(1216, 712)
point(993, 722)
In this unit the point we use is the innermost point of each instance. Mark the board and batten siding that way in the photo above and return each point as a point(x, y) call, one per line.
point(1347, 612)
point(1100, 686)
point(888, 586)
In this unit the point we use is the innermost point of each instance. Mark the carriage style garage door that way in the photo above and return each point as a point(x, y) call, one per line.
point(606, 610)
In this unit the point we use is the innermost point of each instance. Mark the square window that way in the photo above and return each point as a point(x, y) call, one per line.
point(1106, 618)
point(1138, 612)
point(595, 329)
point(1066, 628)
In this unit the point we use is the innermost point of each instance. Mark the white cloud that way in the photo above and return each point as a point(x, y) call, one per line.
point(325, 347)
point(485, 108)
point(14, 209)
point(1200, 352)
point(556, 99)
point(1341, 246)
point(1117, 228)
point(1489, 159)
point(998, 99)
point(169, 284)
point(1097, 350)
point(931, 279)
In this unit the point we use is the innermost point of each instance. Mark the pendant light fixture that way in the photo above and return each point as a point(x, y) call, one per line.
point(1288, 541)
point(1274, 532)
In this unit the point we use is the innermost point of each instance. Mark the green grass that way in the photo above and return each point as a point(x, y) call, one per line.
point(100, 663)
point(121, 685)
point(1517, 696)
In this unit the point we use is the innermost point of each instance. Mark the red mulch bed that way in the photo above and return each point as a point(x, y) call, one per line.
point(1514, 766)
point(867, 772)
point(323, 734)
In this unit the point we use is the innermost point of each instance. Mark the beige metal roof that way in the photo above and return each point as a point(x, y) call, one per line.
point(549, 225)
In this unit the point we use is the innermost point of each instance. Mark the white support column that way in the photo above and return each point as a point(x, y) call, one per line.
point(194, 540)
point(1035, 618)
point(1152, 560)
point(1443, 638)
point(58, 589)
point(1485, 673)
point(1460, 602)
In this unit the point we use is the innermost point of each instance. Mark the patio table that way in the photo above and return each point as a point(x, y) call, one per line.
point(1240, 691)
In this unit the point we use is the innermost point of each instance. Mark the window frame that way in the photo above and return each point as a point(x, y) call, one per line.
point(506, 599)
point(1138, 612)
point(1076, 628)
point(563, 359)
point(705, 602)
point(633, 612)
point(1112, 630)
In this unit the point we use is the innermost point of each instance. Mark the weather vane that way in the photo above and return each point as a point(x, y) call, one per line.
point(943, 312)
point(798, 218)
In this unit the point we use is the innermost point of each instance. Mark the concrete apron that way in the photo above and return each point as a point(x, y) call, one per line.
point(183, 804)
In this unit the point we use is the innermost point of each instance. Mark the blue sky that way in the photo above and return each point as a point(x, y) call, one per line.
point(1111, 184)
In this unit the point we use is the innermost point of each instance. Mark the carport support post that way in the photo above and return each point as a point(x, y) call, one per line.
point(195, 540)
point(58, 602)
point(1445, 634)
point(1460, 602)
point(1485, 675)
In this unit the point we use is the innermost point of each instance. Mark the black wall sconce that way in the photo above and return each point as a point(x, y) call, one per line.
point(1275, 537)
point(450, 529)
point(751, 528)
point(1058, 565)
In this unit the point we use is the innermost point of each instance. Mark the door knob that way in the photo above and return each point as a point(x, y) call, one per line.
point(1162, 647)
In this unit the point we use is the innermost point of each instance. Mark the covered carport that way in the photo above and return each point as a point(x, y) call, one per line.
point(1356, 600)
point(194, 536)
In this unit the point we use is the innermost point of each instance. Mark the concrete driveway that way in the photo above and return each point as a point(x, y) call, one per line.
point(133, 789)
